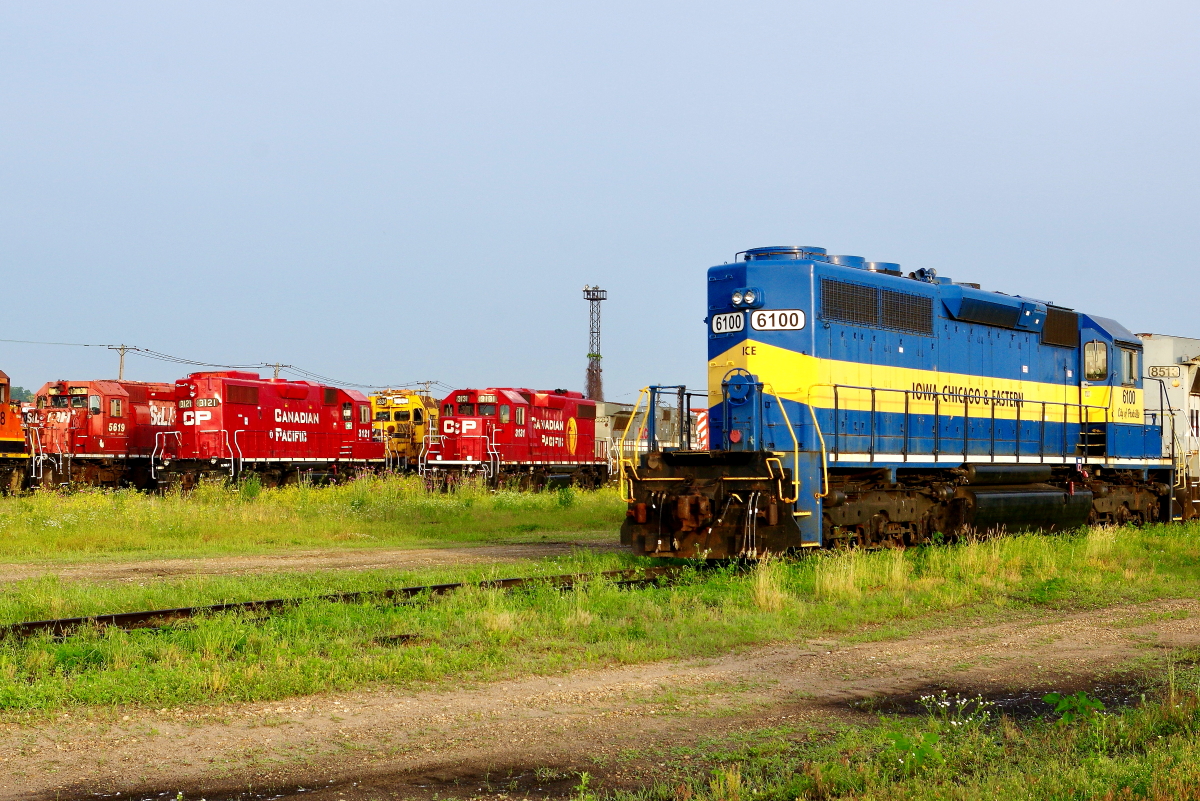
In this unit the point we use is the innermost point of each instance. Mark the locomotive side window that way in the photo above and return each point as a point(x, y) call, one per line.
point(94, 404)
point(487, 409)
point(448, 410)
point(1095, 361)
point(466, 408)
point(114, 407)
point(347, 411)
point(520, 415)
point(417, 416)
point(364, 413)
point(1129, 367)
point(402, 416)
point(504, 416)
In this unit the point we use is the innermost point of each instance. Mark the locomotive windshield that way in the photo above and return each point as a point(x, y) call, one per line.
point(466, 408)
point(487, 409)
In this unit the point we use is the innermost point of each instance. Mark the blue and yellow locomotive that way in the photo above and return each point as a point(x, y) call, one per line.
point(853, 405)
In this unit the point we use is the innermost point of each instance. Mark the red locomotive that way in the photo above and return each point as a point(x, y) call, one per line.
point(528, 436)
point(98, 432)
point(231, 422)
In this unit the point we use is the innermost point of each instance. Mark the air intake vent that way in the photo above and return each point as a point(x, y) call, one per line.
point(1061, 328)
point(905, 312)
point(849, 303)
point(866, 305)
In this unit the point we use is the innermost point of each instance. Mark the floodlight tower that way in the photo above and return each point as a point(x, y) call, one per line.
point(595, 385)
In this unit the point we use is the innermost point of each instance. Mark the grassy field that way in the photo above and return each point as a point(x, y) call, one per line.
point(216, 519)
point(480, 635)
point(960, 749)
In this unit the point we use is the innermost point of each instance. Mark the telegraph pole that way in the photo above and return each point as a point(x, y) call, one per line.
point(277, 369)
point(595, 384)
point(121, 349)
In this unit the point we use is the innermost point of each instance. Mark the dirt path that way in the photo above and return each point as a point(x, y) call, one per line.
point(531, 736)
point(408, 558)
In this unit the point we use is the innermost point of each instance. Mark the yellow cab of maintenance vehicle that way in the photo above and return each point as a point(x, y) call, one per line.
point(402, 419)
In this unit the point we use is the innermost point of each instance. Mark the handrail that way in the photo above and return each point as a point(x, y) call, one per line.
point(960, 397)
point(234, 470)
point(795, 449)
point(644, 393)
point(161, 436)
point(824, 454)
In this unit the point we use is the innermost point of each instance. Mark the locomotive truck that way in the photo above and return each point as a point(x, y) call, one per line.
point(852, 405)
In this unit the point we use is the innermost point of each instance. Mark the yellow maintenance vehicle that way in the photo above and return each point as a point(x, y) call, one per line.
point(404, 419)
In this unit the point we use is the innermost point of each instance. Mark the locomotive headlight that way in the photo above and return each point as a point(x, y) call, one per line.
point(749, 297)
point(737, 298)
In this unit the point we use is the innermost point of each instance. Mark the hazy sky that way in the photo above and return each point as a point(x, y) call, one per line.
point(392, 192)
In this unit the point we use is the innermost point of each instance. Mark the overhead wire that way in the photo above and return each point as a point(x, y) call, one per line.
point(148, 353)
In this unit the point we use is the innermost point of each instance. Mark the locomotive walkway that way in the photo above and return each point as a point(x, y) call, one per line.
point(531, 737)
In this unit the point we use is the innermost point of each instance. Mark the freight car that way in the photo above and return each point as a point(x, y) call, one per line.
point(402, 419)
point(101, 433)
point(525, 437)
point(233, 422)
point(851, 405)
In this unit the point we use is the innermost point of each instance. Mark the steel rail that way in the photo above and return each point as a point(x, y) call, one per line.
point(157, 617)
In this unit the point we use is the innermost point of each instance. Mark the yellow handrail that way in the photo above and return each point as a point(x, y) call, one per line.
point(621, 460)
point(795, 448)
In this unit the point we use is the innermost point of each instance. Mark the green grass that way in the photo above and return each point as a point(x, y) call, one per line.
point(483, 635)
point(966, 752)
point(214, 519)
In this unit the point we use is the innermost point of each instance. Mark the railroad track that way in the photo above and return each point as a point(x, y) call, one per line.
point(156, 618)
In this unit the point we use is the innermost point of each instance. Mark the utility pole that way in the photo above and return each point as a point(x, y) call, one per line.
point(595, 384)
point(277, 369)
point(122, 350)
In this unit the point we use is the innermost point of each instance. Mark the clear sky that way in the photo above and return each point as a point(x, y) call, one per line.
point(399, 191)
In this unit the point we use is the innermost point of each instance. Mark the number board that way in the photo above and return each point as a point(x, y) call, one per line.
point(1169, 371)
point(777, 320)
point(728, 323)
